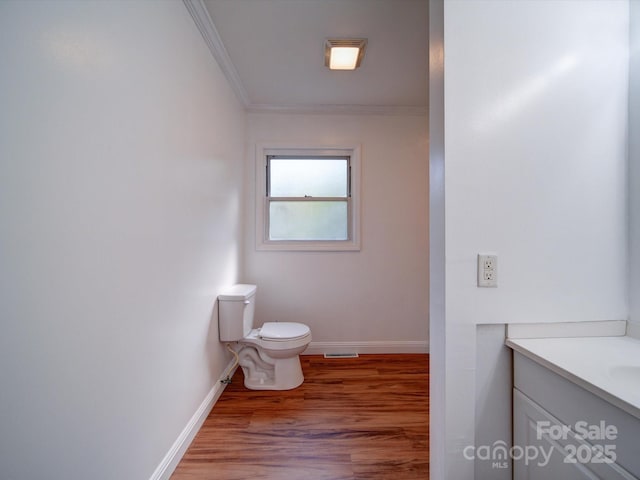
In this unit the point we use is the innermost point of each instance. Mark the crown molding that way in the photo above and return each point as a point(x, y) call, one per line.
point(205, 25)
point(339, 109)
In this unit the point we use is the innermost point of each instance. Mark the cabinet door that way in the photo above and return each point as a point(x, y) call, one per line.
point(545, 458)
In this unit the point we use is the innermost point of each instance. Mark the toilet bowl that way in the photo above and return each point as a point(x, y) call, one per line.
point(269, 355)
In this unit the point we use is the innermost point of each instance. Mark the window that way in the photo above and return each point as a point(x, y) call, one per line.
point(308, 199)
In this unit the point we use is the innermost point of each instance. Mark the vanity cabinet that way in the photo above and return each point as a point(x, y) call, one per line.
point(563, 431)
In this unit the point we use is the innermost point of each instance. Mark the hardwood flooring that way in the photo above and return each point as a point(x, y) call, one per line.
point(364, 418)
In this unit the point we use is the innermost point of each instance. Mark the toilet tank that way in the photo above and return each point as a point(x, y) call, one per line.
point(236, 306)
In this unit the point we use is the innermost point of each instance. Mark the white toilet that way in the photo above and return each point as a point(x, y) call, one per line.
point(268, 355)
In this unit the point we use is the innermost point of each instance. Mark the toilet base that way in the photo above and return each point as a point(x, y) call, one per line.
point(262, 372)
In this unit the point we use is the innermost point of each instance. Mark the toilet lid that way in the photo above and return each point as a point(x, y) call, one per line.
point(283, 330)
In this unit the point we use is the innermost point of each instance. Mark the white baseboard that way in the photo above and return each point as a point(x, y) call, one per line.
point(633, 329)
point(320, 348)
point(179, 447)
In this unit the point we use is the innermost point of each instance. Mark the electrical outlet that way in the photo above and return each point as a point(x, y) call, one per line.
point(487, 270)
point(488, 262)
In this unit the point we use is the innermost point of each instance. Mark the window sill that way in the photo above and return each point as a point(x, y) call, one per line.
point(308, 246)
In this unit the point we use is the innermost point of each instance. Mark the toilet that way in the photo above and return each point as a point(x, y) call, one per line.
point(269, 355)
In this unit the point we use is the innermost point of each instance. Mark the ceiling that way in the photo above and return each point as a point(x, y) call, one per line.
point(272, 52)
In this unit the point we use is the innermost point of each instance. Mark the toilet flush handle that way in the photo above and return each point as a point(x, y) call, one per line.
point(247, 302)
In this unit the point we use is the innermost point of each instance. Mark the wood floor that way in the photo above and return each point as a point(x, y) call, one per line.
point(352, 419)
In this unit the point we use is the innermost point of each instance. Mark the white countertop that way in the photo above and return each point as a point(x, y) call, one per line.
point(606, 366)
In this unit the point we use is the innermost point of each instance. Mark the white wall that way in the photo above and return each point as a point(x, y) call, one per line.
point(634, 168)
point(352, 300)
point(121, 166)
point(493, 395)
point(535, 111)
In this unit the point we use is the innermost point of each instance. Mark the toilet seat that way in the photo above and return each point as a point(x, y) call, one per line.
point(256, 336)
point(283, 331)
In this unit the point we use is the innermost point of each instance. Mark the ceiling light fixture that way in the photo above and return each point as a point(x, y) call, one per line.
point(344, 53)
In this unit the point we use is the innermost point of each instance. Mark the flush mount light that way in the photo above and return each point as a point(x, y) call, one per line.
point(344, 53)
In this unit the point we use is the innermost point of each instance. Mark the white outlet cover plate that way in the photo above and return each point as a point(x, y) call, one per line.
point(487, 270)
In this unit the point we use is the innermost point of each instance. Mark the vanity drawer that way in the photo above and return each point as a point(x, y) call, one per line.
point(569, 404)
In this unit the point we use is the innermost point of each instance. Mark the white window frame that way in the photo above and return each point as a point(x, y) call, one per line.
point(262, 203)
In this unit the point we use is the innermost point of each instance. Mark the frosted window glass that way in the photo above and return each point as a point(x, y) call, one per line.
point(308, 220)
point(310, 177)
